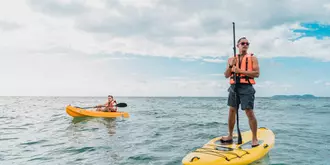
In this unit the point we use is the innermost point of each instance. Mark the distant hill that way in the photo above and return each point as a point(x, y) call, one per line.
point(306, 96)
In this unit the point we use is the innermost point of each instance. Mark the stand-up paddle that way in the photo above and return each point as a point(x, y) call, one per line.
point(235, 88)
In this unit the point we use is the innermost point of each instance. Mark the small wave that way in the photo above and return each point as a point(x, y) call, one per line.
point(50, 145)
point(203, 135)
point(177, 161)
point(322, 112)
point(208, 124)
point(79, 159)
point(4, 139)
point(157, 134)
point(39, 158)
point(34, 142)
point(79, 150)
point(15, 128)
point(142, 157)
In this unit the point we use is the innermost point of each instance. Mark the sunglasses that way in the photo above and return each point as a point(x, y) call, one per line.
point(245, 43)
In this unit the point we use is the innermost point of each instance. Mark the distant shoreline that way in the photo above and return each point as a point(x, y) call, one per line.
point(274, 96)
point(295, 96)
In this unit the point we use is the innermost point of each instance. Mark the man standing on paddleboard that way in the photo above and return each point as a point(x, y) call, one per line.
point(246, 68)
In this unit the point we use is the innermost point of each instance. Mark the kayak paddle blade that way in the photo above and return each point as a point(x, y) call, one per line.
point(121, 105)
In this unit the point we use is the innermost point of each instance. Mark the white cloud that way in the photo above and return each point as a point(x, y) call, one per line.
point(163, 28)
point(327, 6)
point(318, 81)
point(45, 47)
point(176, 78)
point(119, 58)
point(216, 74)
point(214, 60)
point(266, 84)
point(322, 82)
point(188, 87)
point(269, 88)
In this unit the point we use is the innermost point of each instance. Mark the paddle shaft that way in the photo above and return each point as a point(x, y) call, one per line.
point(235, 89)
point(117, 105)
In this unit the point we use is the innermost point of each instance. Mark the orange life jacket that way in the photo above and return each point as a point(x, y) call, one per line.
point(110, 104)
point(246, 64)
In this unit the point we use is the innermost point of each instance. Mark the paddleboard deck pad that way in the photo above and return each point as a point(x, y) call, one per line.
point(217, 153)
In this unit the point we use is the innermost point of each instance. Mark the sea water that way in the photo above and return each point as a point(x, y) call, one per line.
point(160, 131)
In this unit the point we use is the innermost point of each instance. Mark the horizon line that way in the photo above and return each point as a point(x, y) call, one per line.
point(157, 96)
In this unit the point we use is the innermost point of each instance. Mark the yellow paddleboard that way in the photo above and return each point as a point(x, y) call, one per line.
point(216, 153)
point(78, 112)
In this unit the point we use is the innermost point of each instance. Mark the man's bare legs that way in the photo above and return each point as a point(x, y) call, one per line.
point(253, 125)
point(231, 124)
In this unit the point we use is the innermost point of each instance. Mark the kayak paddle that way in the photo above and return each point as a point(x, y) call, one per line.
point(117, 105)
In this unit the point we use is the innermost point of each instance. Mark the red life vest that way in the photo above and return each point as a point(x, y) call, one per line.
point(246, 64)
point(110, 104)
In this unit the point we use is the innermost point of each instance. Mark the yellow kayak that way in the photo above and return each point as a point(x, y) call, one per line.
point(216, 153)
point(79, 112)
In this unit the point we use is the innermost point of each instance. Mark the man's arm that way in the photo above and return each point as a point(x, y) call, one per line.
point(255, 68)
point(99, 106)
point(227, 72)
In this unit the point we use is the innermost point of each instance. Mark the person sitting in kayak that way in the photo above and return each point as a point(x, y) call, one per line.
point(109, 106)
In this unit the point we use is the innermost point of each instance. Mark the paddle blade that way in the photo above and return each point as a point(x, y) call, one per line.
point(121, 105)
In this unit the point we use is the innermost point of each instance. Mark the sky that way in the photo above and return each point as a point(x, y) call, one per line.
point(160, 47)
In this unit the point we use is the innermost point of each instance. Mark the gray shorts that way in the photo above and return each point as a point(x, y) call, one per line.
point(245, 96)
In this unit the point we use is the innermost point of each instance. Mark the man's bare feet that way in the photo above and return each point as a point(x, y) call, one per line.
point(226, 139)
point(255, 143)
